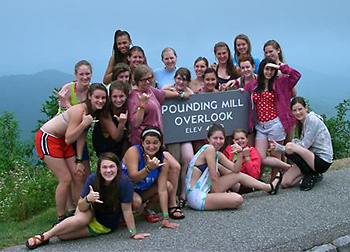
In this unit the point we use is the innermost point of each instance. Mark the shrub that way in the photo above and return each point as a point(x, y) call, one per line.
point(24, 189)
point(339, 128)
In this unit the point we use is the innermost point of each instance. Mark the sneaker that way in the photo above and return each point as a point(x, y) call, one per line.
point(308, 182)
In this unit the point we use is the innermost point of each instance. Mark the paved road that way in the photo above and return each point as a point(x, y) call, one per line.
point(293, 220)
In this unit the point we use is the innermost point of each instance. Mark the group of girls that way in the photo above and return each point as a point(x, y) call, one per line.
point(128, 127)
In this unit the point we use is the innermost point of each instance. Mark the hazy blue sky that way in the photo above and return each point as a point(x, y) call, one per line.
point(41, 34)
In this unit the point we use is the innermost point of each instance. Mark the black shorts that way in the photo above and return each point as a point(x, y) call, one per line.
point(321, 166)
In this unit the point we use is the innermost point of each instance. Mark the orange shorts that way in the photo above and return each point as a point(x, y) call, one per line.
point(50, 145)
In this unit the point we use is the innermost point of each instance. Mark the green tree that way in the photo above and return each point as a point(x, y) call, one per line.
point(339, 128)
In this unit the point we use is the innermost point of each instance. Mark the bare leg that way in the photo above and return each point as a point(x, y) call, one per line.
point(262, 145)
point(173, 177)
point(186, 154)
point(70, 228)
point(229, 180)
point(58, 166)
point(292, 177)
point(217, 201)
point(307, 155)
point(78, 181)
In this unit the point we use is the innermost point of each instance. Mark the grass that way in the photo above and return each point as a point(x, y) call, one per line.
point(15, 233)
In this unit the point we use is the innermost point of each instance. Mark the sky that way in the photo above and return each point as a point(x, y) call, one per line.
point(39, 34)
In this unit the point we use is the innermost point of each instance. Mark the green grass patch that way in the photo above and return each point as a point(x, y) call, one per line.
point(16, 233)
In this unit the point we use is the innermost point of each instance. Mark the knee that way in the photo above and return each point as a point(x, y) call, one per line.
point(238, 200)
point(175, 167)
point(65, 181)
point(79, 178)
point(137, 203)
point(289, 148)
point(286, 184)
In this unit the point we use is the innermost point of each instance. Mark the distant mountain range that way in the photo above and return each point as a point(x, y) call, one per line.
point(25, 94)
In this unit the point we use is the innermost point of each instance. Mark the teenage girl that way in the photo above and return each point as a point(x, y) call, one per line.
point(122, 42)
point(242, 46)
point(210, 174)
point(110, 133)
point(106, 198)
point(53, 144)
point(200, 65)
point(311, 153)
point(225, 68)
point(273, 50)
point(271, 99)
point(183, 151)
point(165, 76)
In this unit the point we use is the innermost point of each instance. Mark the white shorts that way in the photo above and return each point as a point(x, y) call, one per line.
point(271, 130)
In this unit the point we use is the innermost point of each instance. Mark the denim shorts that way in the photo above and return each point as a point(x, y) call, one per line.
point(271, 130)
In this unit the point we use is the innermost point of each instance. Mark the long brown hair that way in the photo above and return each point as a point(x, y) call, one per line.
point(300, 100)
point(109, 193)
point(230, 66)
point(91, 90)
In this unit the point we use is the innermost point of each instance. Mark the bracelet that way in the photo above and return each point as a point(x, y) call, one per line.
point(78, 158)
point(148, 170)
point(132, 232)
point(86, 200)
point(165, 216)
point(140, 108)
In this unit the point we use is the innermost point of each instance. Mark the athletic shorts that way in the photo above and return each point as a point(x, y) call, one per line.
point(50, 145)
point(320, 165)
point(95, 228)
point(271, 130)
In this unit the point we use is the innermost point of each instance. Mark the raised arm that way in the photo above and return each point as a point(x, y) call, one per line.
point(107, 78)
point(234, 167)
point(78, 122)
point(115, 132)
point(64, 96)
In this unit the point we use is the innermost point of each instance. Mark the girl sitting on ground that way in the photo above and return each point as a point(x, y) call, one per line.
point(311, 153)
point(251, 160)
point(106, 197)
point(147, 167)
point(210, 174)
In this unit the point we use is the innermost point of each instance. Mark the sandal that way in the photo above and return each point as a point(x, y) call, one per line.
point(60, 219)
point(176, 213)
point(182, 202)
point(38, 241)
point(274, 189)
point(150, 216)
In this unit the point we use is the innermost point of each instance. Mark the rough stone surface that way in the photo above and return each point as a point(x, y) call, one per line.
point(292, 220)
point(324, 248)
point(342, 243)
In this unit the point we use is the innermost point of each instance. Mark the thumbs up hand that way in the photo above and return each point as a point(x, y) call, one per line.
point(93, 196)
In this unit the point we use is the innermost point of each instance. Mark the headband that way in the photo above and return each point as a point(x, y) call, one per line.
point(151, 131)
